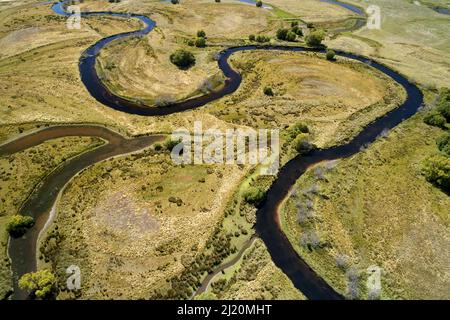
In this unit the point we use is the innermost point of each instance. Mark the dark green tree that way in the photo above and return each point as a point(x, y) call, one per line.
point(282, 33)
point(254, 196)
point(183, 59)
point(297, 30)
point(200, 42)
point(18, 225)
point(437, 171)
point(330, 54)
point(434, 118)
point(315, 38)
point(291, 36)
point(443, 143)
point(302, 145)
point(268, 91)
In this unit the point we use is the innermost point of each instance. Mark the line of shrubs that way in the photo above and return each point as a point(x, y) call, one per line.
point(436, 168)
point(183, 285)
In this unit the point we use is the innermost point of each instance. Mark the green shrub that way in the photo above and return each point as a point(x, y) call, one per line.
point(191, 43)
point(434, 118)
point(18, 225)
point(444, 95)
point(297, 30)
point(330, 54)
point(169, 144)
point(253, 196)
point(259, 4)
point(158, 147)
point(444, 109)
point(175, 1)
point(183, 59)
point(262, 39)
point(268, 91)
point(217, 1)
point(302, 145)
point(297, 129)
point(315, 38)
point(201, 34)
point(282, 33)
point(437, 171)
point(443, 143)
point(200, 42)
point(294, 24)
point(41, 284)
point(251, 37)
point(291, 36)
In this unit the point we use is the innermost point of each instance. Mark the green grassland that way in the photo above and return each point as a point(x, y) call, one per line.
point(376, 208)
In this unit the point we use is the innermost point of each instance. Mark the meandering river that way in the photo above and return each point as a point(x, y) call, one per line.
point(23, 251)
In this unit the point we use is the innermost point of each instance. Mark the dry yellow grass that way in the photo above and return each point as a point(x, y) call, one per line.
point(127, 236)
point(412, 39)
point(313, 10)
point(335, 98)
point(150, 76)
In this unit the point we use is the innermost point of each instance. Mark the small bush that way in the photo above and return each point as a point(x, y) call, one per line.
point(254, 196)
point(444, 110)
point(294, 24)
point(183, 59)
point(297, 30)
point(268, 91)
point(251, 37)
point(297, 129)
point(291, 36)
point(18, 225)
point(437, 171)
point(200, 42)
point(434, 118)
point(191, 43)
point(444, 95)
point(259, 4)
point(330, 55)
point(302, 145)
point(282, 34)
point(175, 1)
point(262, 39)
point(217, 1)
point(169, 144)
point(315, 38)
point(158, 147)
point(443, 143)
point(201, 34)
